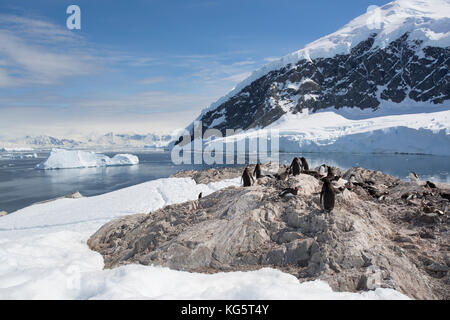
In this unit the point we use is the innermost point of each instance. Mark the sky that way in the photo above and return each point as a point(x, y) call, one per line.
point(142, 66)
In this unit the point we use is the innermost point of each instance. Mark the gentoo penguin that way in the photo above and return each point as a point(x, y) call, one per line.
point(305, 165)
point(445, 195)
point(247, 178)
point(257, 171)
point(288, 192)
point(413, 177)
point(352, 178)
point(323, 170)
point(330, 175)
point(283, 176)
point(430, 185)
point(295, 167)
point(327, 196)
point(200, 195)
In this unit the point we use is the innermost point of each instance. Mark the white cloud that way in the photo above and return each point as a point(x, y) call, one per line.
point(37, 52)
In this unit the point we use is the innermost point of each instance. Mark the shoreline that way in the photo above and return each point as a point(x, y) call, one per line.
point(437, 177)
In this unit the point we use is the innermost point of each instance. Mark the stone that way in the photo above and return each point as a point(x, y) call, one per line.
point(298, 252)
point(289, 236)
point(429, 218)
point(75, 195)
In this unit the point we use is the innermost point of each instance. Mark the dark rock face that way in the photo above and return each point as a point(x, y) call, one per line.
point(353, 80)
point(366, 242)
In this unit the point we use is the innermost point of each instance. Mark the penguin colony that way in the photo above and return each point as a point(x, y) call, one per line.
point(298, 166)
point(325, 173)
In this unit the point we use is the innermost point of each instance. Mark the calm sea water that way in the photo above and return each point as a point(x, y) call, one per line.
point(21, 185)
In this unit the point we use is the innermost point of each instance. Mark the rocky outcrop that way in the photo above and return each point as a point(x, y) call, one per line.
point(210, 175)
point(75, 195)
point(383, 232)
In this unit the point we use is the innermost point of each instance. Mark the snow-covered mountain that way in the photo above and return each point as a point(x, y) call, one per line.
point(392, 60)
point(109, 140)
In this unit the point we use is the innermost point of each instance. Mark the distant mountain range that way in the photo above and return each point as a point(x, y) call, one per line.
point(109, 140)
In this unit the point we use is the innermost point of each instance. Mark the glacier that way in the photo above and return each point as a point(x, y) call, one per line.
point(329, 131)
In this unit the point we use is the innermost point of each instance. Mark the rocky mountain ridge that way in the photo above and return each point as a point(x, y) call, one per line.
point(393, 58)
point(362, 79)
point(110, 139)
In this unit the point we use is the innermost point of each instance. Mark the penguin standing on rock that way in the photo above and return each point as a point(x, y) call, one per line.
point(327, 196)
point(200, 195)
point(330, 175)
point(305, 165)
point(295, 167)
point(323, 170)
point(430, 185)
point(257, 172)
point(247, 178)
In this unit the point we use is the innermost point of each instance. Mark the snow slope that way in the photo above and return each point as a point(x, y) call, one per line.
point(327, 131)
point(65, 159)
point(43, 255)
point(425, 20)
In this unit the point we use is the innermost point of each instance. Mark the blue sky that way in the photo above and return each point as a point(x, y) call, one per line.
point(142, 66)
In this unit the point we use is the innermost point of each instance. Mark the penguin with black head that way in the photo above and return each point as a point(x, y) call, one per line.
point(327, 196)
point(257, 172)
point(289, 192)
point(295, 167)
point(305, 165)
point(323, 170)
point(247, 178)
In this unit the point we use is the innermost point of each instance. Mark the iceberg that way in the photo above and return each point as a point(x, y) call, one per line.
point(66, 159)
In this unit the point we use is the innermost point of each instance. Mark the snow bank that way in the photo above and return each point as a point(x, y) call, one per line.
point(422, 133)
point(43, 255)
point(65, 159)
